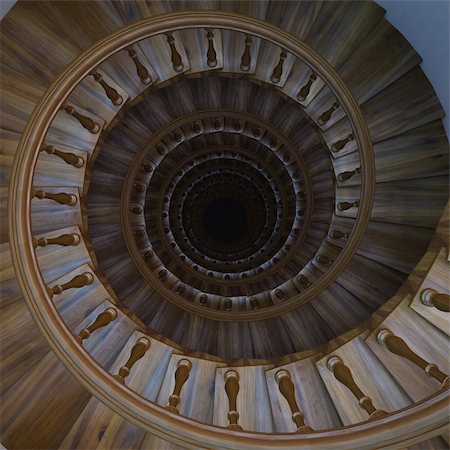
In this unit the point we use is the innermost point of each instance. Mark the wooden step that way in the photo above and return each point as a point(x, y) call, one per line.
point(369, 375)
point(48, 215)
point(56, 260)
point(253, 403)
point(423, 339)
point(197, 394)
point(74, 305)
point(437, 279)
point(311, 396)
point(32, 401)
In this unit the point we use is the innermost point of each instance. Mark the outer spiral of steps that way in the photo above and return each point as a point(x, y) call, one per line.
point(222, 342)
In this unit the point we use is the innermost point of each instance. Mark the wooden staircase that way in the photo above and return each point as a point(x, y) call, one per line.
point(280, 374)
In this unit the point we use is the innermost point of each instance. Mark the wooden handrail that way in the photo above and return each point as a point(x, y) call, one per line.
point(125, 402)
point(399, 347)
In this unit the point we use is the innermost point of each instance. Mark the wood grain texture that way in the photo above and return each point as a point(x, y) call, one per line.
point(424, 339)
point(197, 394)
point(371, 377)
point(312, 398)
point(253, 403)
point(437, 279)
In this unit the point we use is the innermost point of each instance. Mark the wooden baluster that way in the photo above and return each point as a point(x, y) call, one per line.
point(196, 128)
point(303, 281)
point(110, 92)
point(336, 234)
point(254, 303)
point(339, 145)
point(69, 158)
point(78, 281)
point(280, 294)
point(181, 375)
point(344, 176)
point(137, 210)
point(246, 59)
point(278, 70)
point(324, 260)
point(177, 63)
point(64, 239)
point(343, 375)
point(326, 116)
point(343, 206)
point(86, 122)
point(231, 378)
point(228, 304)
point(203, 299)
point(217, 124)
point(399, 347)
point(211, 55)
point(283, 378)
point(304, 91)
point(61, 197)
point(141, 70)
point(137, 352)
point(103, 319)
point(430, 297)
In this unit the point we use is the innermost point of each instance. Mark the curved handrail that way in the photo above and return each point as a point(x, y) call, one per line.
point(420, 420)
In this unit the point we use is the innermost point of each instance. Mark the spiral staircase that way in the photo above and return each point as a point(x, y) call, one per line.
point(131, 319)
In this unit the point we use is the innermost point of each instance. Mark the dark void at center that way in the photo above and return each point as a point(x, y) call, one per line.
point(225, 220)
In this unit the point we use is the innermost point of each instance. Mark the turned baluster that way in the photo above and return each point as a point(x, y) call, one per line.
point(137, 210)
point(278, 70)
point(203, 299)
point(137, 352)
point(304, 91)
point(339, 145)
point(110, 92)
point(246, 59)
point(344, 176)
point(286, 386)
point(141, 70)
point(231, 378)
point(196, 128)
point(211, 55)
point(177, 63)
point(103, 319)
point(69, 158)
point(430, 297)
point(61, 197)
point(342, 373)
point(181, 375)
point(217, 124)
point(343, 206)
point(326, 116)
point(228, 304)
point(336, 234)
point(324, 260)
point(78, 281)
point(303, 280)
point(86, 122)
point(64, 239)
point(399, 347)
point(254, 303)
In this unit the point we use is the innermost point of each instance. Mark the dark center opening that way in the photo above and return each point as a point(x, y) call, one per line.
point(225, 220)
